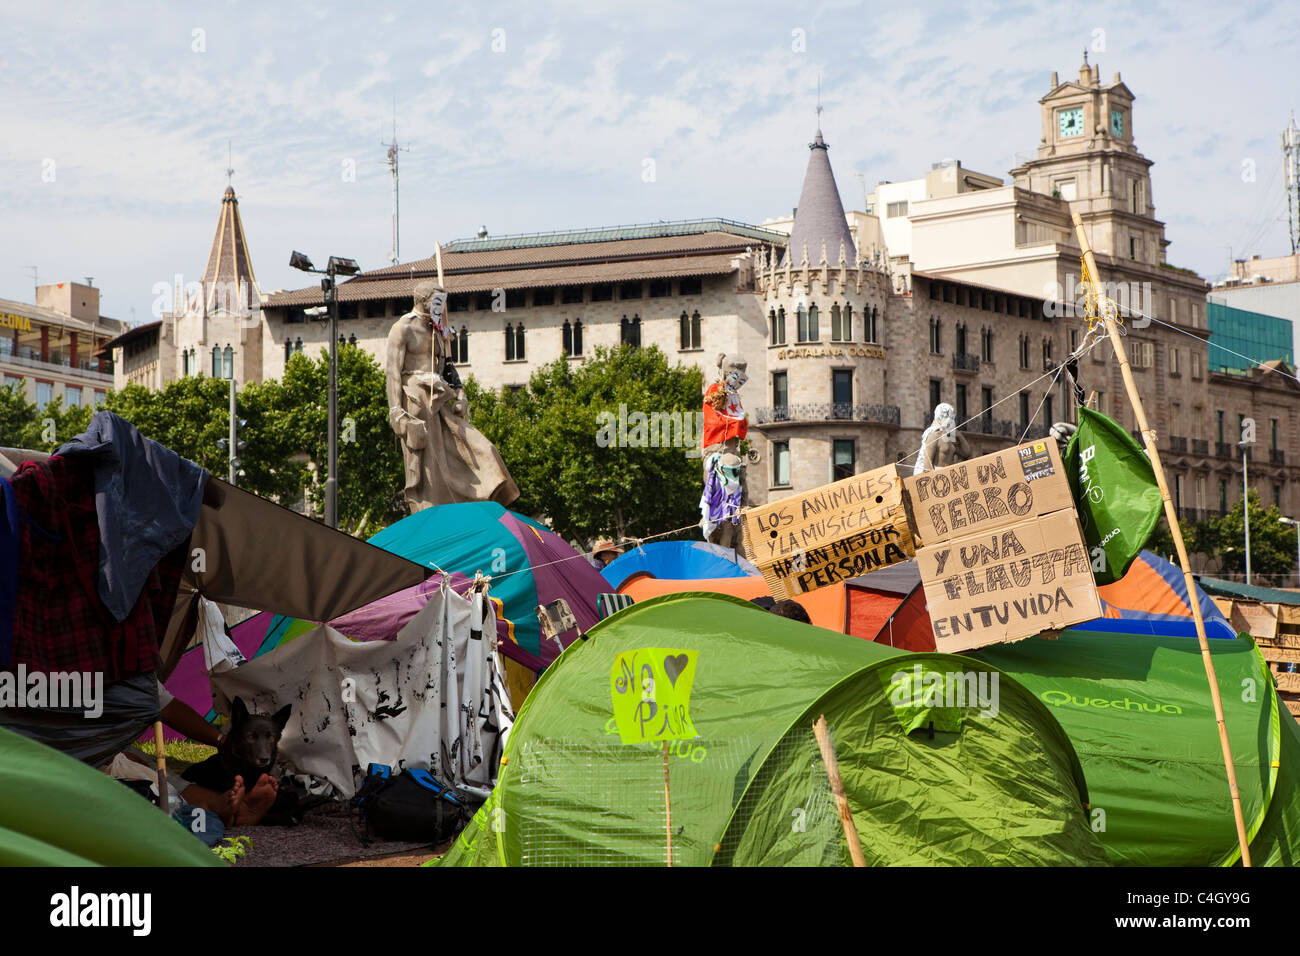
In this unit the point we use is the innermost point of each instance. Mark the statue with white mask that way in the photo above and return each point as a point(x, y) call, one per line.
point(941, 443)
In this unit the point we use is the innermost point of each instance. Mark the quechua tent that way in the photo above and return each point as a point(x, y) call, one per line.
point(1137, 709)
point(927, 783)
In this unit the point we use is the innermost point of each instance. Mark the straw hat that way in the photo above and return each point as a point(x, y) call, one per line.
point(605, 544)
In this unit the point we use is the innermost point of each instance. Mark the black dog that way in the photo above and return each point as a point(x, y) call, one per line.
point(248, 751)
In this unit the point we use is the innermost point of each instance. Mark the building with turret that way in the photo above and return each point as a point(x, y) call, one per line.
point(955, 287)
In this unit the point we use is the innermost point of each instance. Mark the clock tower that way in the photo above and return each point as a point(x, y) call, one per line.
point(1087, 157)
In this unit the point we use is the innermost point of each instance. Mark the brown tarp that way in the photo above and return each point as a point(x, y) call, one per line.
point(253, 553)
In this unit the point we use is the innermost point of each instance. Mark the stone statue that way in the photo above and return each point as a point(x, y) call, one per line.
point(725, 424)
point(941, 444)
point(446, 459)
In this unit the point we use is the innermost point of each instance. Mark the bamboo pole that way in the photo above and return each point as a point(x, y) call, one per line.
point(160, 760)
point(668, 807)
point(837, 788)
point(1171, 515)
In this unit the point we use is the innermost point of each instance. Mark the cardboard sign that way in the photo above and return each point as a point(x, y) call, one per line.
point(651, 692)
point(994, 491)
point(1009, 583)
point(829, 534)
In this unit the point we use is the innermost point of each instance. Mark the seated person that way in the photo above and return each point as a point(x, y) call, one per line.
point(238, 806)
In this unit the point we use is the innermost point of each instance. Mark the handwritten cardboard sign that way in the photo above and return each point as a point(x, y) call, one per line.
point(829, 534)
point(651, 692)
point(989, 492)
point(1008, 583)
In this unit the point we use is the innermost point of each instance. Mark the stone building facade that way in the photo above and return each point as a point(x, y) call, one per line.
point(850, 340)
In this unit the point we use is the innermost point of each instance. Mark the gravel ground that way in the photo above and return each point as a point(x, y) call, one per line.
point(326, 836)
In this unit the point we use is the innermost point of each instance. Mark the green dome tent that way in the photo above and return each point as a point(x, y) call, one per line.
point(1137, 709)
point(927, 783)
point(56, 811)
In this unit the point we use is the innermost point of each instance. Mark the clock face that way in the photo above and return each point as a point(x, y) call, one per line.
point(1071, 121)
point(1116, 123)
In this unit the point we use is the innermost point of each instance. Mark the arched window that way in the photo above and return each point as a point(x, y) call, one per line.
point(510, 342)
point(464, 344)
point(837, 330)
point(228, 363)
point(288, 348)
point(684, 329)
point(297, 345)
point(216, 362)
point(577, 337)
point(780, 321)
point(801, 323)
point(453, 346)
point(566, 338)
point(814, 332)
point(519, 341)
point(630, 331)
point(695, 327)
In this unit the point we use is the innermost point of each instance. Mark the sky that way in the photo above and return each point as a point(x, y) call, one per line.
point(532, 116)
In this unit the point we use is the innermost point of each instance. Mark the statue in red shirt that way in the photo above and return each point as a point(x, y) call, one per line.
point(725, 424)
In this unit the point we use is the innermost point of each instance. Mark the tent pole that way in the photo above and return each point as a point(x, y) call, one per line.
point(837, 788)
point(668, 807)
point(1171, 516)
point(161, 762)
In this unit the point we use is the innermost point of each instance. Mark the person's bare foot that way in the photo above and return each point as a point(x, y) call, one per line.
point(224, 805)
point(257, 801)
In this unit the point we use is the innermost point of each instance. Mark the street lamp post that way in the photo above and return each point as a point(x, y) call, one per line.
point(1297, 544)
point(1245, 502)
point(336, 266)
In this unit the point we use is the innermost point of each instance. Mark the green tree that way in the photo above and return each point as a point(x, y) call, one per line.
point(560, 439)
point(292, 421)
point(1272, 543)
point(17, 418)
point(24, 425)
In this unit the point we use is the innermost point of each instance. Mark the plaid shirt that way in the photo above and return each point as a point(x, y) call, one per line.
point(60, 623)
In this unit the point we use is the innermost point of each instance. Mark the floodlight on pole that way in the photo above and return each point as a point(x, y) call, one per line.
point(336, 266)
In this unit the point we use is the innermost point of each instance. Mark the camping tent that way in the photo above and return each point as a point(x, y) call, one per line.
point(926, 784)
point(678, 560)
point(886, 605)
point(430, 698)
point(1138, 711)
point(529, 565)
point(56, 811)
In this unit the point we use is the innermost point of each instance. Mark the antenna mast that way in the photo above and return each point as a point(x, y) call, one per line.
point(1291, 167)
point(394, 255)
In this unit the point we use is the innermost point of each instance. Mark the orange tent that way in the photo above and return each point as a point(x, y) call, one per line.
point(887, 605)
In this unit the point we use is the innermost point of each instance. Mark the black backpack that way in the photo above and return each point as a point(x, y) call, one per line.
point(410, 806)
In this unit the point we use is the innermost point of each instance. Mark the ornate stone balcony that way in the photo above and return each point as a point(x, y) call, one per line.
point(828, 412)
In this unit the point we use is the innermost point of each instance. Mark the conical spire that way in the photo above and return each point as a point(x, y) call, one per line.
point(819, 221)
point(228, 280)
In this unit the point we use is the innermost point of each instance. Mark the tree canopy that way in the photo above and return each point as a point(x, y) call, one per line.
point(285, 431)
point(601, 446)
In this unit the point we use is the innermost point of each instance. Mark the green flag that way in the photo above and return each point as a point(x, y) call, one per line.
point(1115, 493)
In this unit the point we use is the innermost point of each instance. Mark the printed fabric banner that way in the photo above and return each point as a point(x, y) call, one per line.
point(1115, 493)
